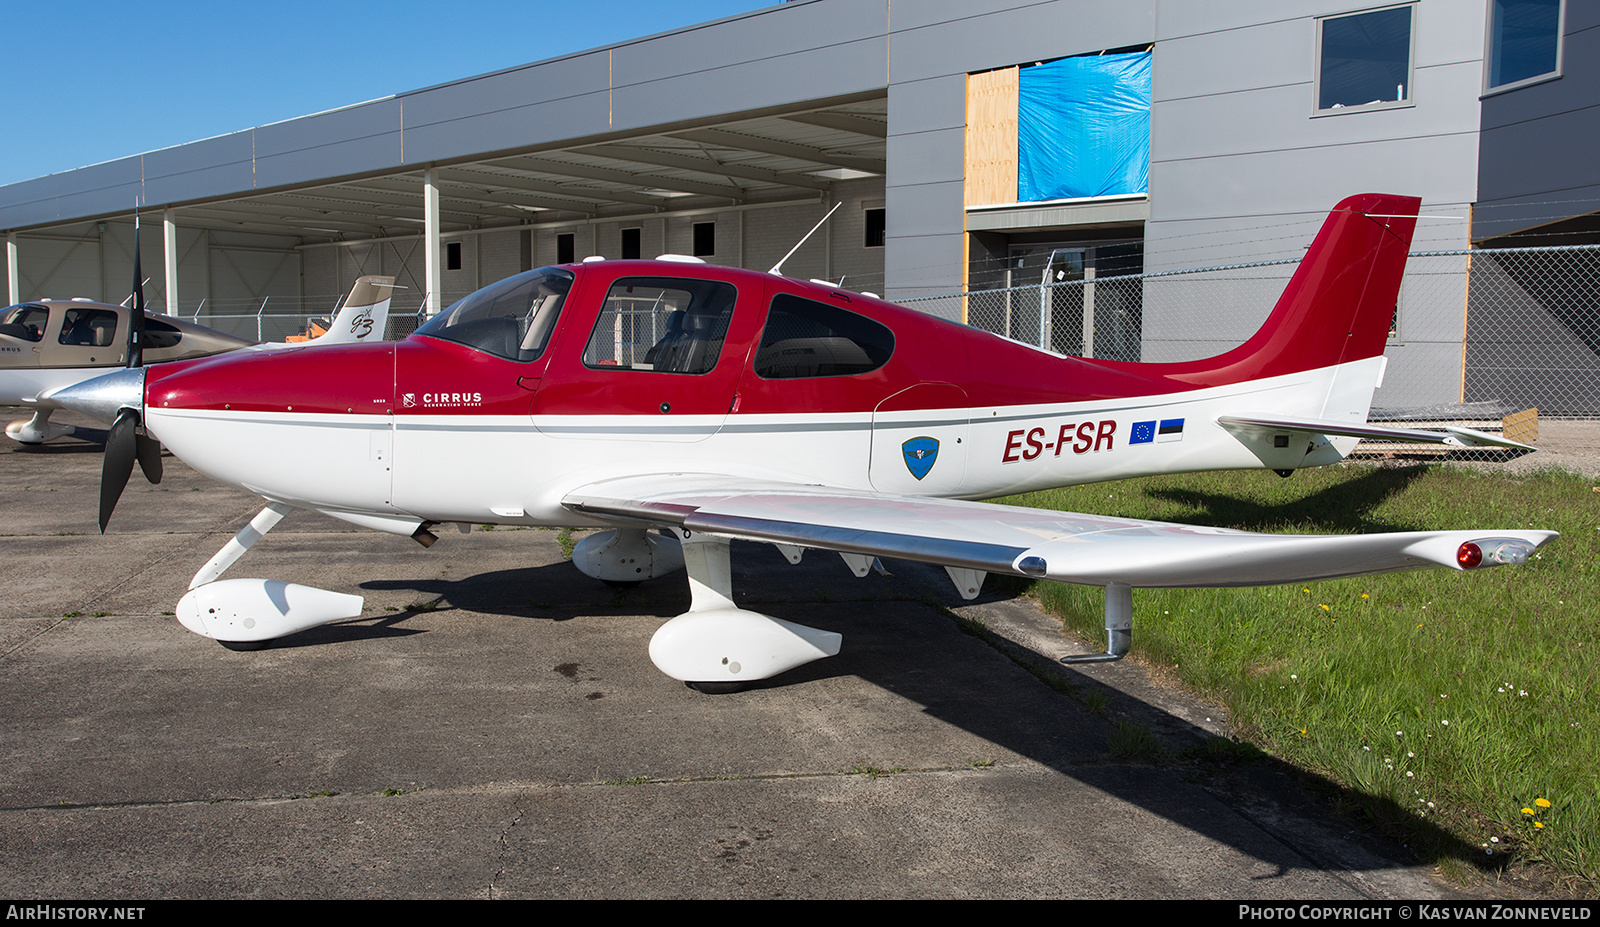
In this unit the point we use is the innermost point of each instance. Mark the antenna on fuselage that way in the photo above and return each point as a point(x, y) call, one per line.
point(802, 241)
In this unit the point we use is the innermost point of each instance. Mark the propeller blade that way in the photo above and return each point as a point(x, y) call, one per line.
point(148, 450)
point(136, 316)
point(121, 449)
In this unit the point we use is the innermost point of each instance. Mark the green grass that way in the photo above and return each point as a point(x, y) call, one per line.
point(1446, 704)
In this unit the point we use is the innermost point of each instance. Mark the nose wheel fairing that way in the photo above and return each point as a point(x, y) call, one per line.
point(234, 610)
point(251, 610)
point(38, 429)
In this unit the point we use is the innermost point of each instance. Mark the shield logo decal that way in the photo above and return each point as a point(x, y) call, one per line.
point(920, 454)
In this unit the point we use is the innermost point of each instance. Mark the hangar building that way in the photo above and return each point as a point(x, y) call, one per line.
point(973, 145)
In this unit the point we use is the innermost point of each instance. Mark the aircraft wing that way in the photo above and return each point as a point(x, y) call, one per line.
point(1064, 546)
point(1452, 435)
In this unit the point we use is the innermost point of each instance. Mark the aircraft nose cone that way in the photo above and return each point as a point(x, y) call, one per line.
point(103, 397)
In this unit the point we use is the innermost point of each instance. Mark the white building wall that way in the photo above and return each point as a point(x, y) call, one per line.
point(1242, 170)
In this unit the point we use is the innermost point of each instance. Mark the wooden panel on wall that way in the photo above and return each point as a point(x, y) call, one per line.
point(992, 137)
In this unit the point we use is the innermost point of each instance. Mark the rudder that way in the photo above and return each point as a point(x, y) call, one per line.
point(1339, 305)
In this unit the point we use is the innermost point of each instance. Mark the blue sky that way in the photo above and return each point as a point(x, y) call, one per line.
point(92, 81)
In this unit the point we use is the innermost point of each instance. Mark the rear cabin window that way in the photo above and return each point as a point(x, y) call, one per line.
point(660, 324)
point(159, 334)
point(89, 327)
point(805, 338)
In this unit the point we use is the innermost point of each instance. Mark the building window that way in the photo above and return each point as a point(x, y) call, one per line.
point(705, 239)
point(1524, 42)
point(630, 244)
point(876, 227)
point(1364, 59)
point(566, 248)
point(452, 255)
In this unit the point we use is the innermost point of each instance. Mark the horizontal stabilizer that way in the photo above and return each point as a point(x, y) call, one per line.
point(1452, 435)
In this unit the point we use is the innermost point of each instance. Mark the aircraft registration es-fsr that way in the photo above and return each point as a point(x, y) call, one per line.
point(681, 405)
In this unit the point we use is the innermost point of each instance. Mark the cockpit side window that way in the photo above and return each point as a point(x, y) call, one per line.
point(661, 324)
point(804, 338)
point(511, 319)
point(24, 320)
point(93, 328)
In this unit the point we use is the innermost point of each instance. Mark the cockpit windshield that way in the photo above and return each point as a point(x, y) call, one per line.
point(25, 321)
point(511, 319)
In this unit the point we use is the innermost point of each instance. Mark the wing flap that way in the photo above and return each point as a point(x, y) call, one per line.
point(1065, 546)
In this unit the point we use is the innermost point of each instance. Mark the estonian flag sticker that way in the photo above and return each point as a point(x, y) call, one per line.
point(1156, 432)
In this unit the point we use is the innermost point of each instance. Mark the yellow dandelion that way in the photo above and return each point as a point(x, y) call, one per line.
point(1538, 825)
point(1527, 811)
point(1306, 591)
point(1365, 596)
point(1542, 802)
point(1325, 608)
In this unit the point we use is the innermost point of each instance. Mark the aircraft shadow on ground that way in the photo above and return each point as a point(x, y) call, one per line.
point(539, 593)
point(1236, 774)
point(84, 440)
point(889, 651)
point(1345, 508)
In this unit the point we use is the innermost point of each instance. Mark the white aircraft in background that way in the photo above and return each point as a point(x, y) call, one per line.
point(681, 406)
point(50, 344)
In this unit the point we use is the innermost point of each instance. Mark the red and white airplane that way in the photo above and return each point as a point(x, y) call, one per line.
point(682, 405)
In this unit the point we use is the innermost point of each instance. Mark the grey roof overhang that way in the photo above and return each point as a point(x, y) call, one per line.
point(754, 108)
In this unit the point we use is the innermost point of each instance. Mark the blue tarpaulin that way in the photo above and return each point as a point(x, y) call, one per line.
point(1083, 127)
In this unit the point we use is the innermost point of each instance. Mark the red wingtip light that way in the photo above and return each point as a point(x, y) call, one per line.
point(1469, 555)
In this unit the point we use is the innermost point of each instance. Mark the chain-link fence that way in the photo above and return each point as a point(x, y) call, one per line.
point(1533, 329)
point(275, 318)
point(1496, 329)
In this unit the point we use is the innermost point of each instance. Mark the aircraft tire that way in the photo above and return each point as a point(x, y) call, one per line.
point(622, 583)
point(716, 688)
point(246, 646)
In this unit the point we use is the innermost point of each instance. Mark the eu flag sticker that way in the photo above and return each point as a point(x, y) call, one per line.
point(920, 453)
point(1142, 433)
point(1171, 430)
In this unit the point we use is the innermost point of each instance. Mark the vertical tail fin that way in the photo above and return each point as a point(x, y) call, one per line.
point(364, 315)
point(1338, 306)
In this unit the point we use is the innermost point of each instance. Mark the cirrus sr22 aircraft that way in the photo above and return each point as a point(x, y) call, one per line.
point(682, 405)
